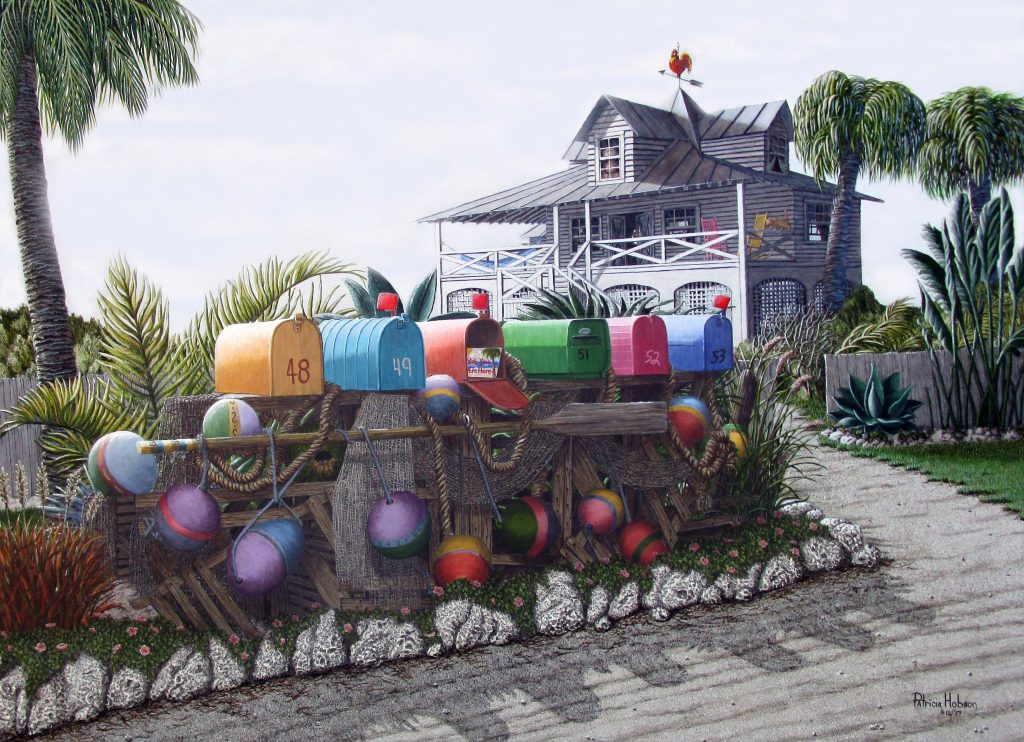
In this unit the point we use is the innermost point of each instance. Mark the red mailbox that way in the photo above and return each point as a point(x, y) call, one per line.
point(639, 346)
point(471, 351)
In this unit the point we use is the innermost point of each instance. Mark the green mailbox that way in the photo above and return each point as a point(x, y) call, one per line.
point(560, 348)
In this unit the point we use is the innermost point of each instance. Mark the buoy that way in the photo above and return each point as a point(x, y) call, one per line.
point(186, 517)
point(228, 418)
point(641, 542)
point(115, 467)
point(442, 396)
point(461, 558)
point(602, 510)
point(738, 438)
point(691, 419)
point(401, 528)
point(528, 526)
point(265, 556)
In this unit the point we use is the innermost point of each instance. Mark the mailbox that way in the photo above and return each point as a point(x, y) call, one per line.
point(560, 348)
point(699, 342)
point(471, 352)
point(270, 359)
point(639, 346)
point(373, 355)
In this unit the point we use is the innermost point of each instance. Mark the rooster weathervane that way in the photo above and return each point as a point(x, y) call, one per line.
point(678, 63)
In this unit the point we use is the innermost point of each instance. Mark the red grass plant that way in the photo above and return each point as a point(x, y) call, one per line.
point(51, 574)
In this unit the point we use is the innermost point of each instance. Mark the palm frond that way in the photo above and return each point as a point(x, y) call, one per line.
point(899, 329)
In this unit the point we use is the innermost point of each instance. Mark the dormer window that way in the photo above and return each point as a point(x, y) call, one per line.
point(778, 154)
point(609, 158)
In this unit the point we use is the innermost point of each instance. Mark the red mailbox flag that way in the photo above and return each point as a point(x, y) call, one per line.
point(387, 302)
point(721, 302)
point(481, 302)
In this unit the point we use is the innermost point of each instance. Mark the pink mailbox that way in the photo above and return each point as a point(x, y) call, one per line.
point(639, 346)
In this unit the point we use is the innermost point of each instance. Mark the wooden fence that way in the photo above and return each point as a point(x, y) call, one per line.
point(915, 370)
point(19, 445)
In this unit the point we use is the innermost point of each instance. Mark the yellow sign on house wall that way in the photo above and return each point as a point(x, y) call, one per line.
point(282, 358)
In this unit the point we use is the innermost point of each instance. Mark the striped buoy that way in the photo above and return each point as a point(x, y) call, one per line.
point(186, 517)
point(528, 526)
point(691, 419)
point(264, 556)
point(641, 542)
point(401, 528)
point(441, 395)
point(115, 466)
point(461, 558)
point(228, 418)
point(602, 510)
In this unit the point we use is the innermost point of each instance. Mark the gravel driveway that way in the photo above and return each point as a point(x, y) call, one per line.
point(839, 657)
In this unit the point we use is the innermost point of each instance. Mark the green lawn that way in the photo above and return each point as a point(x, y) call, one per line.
point(993, 470)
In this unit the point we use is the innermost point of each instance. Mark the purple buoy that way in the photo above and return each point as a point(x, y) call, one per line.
point(265, 556)
point(186, 517)
point(401, 528)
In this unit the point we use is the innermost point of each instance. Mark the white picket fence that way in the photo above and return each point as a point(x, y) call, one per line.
point(915, 370)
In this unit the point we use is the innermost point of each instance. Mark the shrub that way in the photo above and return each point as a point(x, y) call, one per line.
point(51, 575)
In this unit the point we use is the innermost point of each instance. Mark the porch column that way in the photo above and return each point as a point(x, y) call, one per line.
point(439, 290)
point(589, 236)
point(742, 320)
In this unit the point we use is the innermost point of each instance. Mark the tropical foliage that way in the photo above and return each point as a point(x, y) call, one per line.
point(17, 357)
point(801, 338)
point(582, 303)
point(144, 363)
point(846, 125)
point(898, 329)
point(419, 306)
point(58, 61)
point(875, 405)
point(972, 293)
point(974, 141)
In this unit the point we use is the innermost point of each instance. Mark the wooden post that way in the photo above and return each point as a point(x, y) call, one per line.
point(439, 297)
point(589, 236)
point(742, 321)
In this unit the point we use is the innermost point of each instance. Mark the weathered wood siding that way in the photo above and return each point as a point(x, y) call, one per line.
point(610, 124)
point(20, 445)
point(915, 370)
point(747, 150)
point(778, 128)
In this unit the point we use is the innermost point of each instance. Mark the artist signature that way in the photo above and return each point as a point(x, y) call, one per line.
point(949, 704)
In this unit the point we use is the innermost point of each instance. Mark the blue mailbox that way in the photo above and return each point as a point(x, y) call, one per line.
point(699, 342)
point(384, 354)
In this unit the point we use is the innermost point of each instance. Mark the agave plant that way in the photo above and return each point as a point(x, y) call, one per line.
point(144, 364)
point(364, 296)
point(875, 405)
point(584, 303)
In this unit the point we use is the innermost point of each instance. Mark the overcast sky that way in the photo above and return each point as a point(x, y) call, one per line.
point(335, 125)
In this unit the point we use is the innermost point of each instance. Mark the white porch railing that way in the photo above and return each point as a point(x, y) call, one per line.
point(656, 251)
point(525, 259)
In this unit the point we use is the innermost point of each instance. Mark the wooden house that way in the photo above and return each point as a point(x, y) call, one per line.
point(676, 202)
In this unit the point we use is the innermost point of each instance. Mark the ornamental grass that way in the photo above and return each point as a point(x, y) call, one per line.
point(51, 574)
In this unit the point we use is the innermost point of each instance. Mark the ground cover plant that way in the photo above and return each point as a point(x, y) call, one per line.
point(991, 469)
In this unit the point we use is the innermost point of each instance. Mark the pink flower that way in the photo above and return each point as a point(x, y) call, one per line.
point(605, 560)
point(761, 520)
point(438, 590)
point(3, 634)
point(813, 526)
point(763, 544)
point(314, 606)
point(477, 584)
point(694, 546)
point(793, 542)
point(140, 619)
point(92, 629)
point(144, 650)
point(41, 647)
point(795, 552)
point(578, 566)
point(494, 602)
point(133, 630)
point(734, 554)
point(623, 573)
point(180, 627)
point(405, 610)
point(731, 570)
point(276, 623)
point(245, 655)
point(154, 629)
point(778, 515)
point(281, 641)
point(347, 628)
point(10, 647)
point(704, 561)
point(590, 581)
point(51, 625)
point(518, 602)
point(779, 531)
point(116, 649)
point(234, 639)
point(62, 646)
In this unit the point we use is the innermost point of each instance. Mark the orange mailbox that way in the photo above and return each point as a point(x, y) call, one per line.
point(270, 359)
point(471, 351)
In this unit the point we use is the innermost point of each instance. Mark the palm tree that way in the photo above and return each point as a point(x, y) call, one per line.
point(57, 61)
point(974, 141)
point(846, 124)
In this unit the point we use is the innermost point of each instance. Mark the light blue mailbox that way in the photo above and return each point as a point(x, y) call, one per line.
point(699, 342)
point(384, 354)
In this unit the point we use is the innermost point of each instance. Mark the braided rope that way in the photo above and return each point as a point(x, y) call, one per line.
point(441, 473)
point(226, 476)
point(611, 387)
